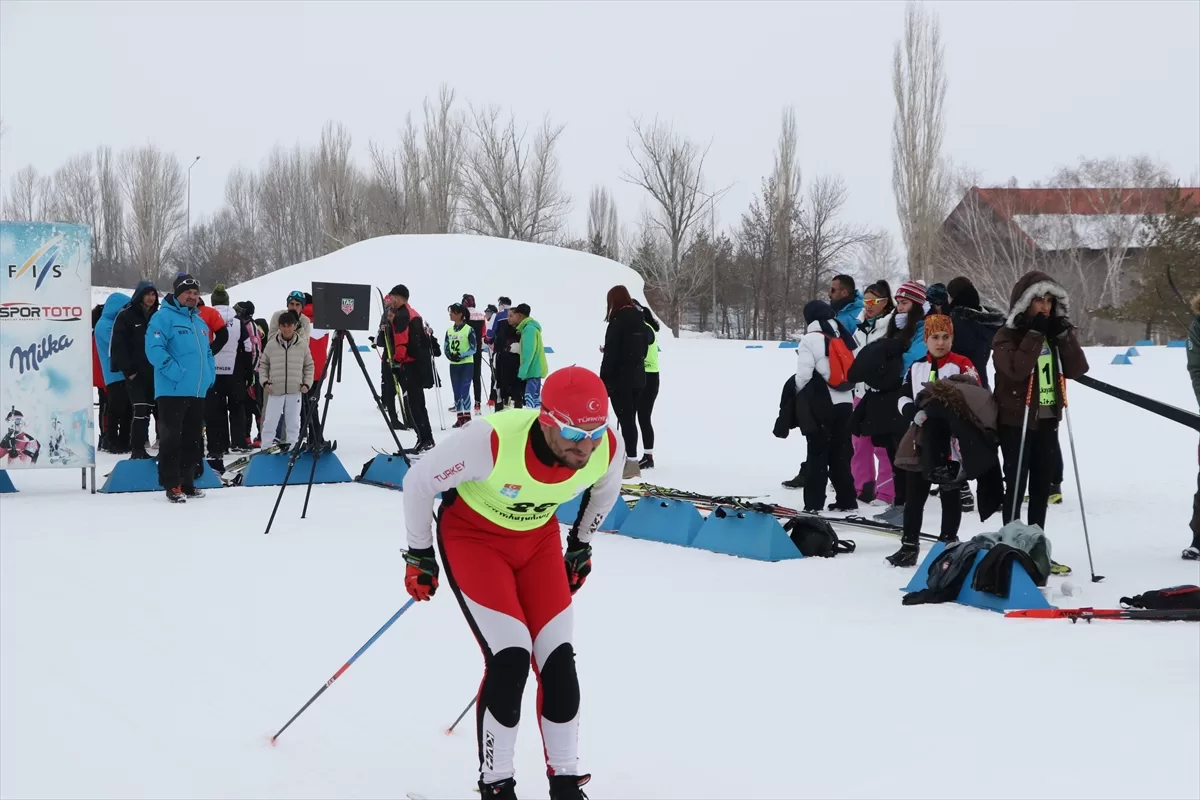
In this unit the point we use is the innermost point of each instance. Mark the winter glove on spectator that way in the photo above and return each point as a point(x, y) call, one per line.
point(1040, 323)
point(1059, 327)
point(579, 563)
point(421, 574)
point(515, 348)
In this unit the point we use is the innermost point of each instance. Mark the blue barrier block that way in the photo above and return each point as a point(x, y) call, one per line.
point(568, 511)
point(141, 475)
point(1177, 343)
point(386, 471)
point(754, 347)
point(788, 345)
point(364, 348)
point(268, 470)
point(6, 484)
point(1121, 358)
point(1131, 352)
point(548, 350)
point(1144, 343)
point(658, 520)
point(747, 534)
point(1022, 591)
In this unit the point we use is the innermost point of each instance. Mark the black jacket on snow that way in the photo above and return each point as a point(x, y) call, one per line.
point(880, 365)
point(974, 330)
point(625, 344)
point(127, 351)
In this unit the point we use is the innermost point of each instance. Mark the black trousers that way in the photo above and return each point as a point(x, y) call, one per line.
point(508, 366)
point(225, 414)
point(141, 396)
point(120, 417)
point(645, 410)
point(102, 416)
point(624, 400)
point(477, 377)
point(1196, 514)
point(914, 508)
point(417, 413)
point(180, 443)
point(387, 387)
point(1037, 469)
point(829, 452)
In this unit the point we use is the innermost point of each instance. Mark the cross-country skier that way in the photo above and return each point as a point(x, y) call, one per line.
point(502, 477)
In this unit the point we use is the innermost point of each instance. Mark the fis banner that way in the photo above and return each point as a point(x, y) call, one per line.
point(45, 346)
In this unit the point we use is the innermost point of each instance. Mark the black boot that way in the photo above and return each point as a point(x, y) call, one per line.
point(906, 556)
point(568, 787)
point(500, 790)
point(647, 461)
point(868, 493)
point(796, 482)
point(968, 499)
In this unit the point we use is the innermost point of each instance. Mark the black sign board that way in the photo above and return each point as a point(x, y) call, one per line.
point(342, 306)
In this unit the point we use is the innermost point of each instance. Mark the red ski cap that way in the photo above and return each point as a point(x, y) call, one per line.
point(576, 396)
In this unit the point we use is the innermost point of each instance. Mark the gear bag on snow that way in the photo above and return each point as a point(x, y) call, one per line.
point(816, 537)
point(946, 574)
point(1169, 599)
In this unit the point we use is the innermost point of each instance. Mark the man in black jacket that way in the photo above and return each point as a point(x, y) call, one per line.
point(128, 355)
point(477, 321)
point(412, 363)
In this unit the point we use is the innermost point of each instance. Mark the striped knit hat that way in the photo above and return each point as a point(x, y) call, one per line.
point(911, 290)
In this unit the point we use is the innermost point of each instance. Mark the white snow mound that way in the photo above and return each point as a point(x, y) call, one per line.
point(565, 289)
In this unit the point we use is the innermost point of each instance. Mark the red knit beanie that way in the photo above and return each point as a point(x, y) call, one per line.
point(911, 290)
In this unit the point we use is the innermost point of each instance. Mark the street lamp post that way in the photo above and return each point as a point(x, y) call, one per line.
point(189, 212)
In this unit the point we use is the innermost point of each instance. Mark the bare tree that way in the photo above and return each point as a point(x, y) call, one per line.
point(828, 242)
point(26, 202)
point(153, 185)
point(444, 146)
point(512, 189)
point(111, 248)
point(337, 185)
point(878, 260)
point(603, 228)
point(289, 208)
point(918, 171)
point(76, 196)
point(784, 210)
point(671, 169)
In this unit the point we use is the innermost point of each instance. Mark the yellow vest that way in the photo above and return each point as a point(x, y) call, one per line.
point(509, 496)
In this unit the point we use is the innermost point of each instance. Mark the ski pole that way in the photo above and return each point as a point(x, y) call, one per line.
point(344, 667)
point(1078, 481)
point(470, 705)
point(1018, 490)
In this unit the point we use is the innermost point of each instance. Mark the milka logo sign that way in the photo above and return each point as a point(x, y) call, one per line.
point(27, 358)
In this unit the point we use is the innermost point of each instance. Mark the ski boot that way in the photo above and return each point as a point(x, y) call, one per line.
point(192, 492)
point(843, 506)
point(463, 419)
point(647, 461)
point(500, 790)
point(478, 409)
point(892, 515)
point(1059, 570)
point(796, 482)
point(867, 495)
point(568, 787)
point(1056, 497)
point(175, 495)
point(1191, 553)
point(631, 470)
point(968, 500)
point(906, 556)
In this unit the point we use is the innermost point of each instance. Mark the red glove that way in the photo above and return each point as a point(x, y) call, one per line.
point(421, 574)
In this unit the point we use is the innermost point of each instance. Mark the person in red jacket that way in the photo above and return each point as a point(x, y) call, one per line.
point(318, 347)
point(98, 380)
point(412, 362)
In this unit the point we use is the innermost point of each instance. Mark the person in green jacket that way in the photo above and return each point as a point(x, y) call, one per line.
point(533, 354)
point(1192, 553)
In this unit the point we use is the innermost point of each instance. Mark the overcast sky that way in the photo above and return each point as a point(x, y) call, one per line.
point(1032, 86)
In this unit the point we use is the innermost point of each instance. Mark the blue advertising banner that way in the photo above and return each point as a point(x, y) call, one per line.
point(45, 346)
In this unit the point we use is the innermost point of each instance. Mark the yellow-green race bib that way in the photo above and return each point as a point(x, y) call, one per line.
point(1045, 368)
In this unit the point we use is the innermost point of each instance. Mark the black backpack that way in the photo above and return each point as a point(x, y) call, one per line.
point(815, 537)
point(1169, 599)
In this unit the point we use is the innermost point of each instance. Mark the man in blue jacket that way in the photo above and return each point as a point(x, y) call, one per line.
point(120, 412)
point(178, 349)
point(847, 302)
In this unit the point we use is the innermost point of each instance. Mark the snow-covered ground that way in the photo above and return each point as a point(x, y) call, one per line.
point(149, 650)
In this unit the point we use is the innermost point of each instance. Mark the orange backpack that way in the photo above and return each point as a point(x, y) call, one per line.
point(840, 359)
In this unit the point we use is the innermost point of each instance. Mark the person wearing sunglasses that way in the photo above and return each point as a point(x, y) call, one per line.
point(295, 302)
point(502, 478)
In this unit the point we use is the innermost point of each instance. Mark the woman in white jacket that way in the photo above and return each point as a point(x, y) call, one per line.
point(829, 447)
point(872, 481)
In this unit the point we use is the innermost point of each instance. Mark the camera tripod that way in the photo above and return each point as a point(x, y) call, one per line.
point(312, 431)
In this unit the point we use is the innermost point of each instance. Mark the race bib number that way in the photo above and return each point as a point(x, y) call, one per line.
point(1045, 369)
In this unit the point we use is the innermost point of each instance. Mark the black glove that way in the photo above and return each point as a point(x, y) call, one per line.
point(1040, 323)
point(1058, 327)
point(579, 563)
point(397, 368)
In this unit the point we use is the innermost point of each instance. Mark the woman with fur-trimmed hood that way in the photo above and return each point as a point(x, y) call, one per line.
point(1037, 342)
point(1192, 553)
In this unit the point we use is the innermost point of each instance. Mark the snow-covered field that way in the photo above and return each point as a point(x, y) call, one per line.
point(149, 650)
